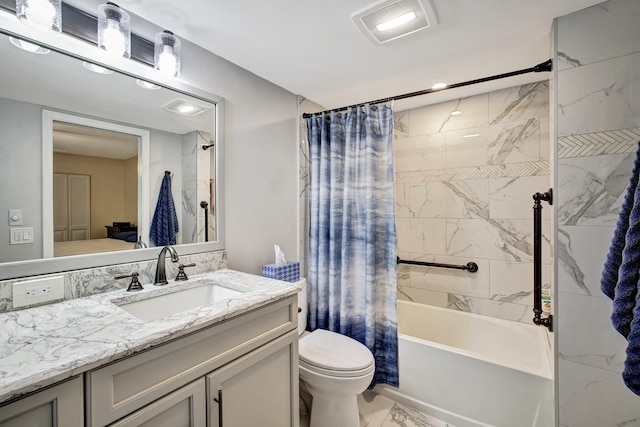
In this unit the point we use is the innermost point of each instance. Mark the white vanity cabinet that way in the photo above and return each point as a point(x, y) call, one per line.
point(60, 405)
point(251, 359)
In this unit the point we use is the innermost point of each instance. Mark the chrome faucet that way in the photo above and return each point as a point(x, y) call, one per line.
point(161, 274)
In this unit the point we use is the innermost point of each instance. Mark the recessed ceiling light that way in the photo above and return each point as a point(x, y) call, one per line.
point(393, 19)
point(456, 113)
point(147, 85)
point(396, 22)
point(96, 68)
point(29, 47)
point(471, 135)
point(439, 86)
point(186, 108)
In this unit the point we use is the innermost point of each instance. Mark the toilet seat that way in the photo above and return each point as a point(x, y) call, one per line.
point(335, 355)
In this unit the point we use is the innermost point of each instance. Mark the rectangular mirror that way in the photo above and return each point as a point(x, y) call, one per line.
point(84, 155)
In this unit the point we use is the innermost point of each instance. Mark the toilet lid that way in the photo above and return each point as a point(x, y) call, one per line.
point(332, 351)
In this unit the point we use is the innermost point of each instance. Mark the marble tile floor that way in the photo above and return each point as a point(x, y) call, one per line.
point(379, 411)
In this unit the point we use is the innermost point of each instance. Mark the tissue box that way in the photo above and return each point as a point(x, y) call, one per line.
point(289, 272)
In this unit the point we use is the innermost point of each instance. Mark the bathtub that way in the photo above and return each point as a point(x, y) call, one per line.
point(472, 370)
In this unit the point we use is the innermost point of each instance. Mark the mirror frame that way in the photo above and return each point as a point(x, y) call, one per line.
point(67, 45)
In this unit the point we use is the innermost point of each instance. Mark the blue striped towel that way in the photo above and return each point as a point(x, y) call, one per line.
point(165, 221)
point(621, 277)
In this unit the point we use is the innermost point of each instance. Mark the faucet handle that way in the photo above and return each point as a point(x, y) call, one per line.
point(134, 285)
point(181, 274)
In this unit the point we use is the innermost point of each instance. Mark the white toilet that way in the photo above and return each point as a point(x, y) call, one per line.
point(334, 370)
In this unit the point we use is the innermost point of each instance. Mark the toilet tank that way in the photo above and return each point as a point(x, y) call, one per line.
point(303, 305)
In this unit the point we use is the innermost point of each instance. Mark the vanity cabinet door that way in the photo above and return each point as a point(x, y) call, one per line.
point(60, 405)
point(258, 389)
point(185, 407)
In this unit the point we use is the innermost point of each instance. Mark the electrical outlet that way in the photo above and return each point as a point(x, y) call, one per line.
point(38, 291)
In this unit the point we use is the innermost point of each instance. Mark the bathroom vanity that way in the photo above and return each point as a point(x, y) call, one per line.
point(231, 362)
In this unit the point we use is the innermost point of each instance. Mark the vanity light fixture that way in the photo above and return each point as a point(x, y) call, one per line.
point(147, 85)
point(114, 30)
point(393, 19)
point(41, 14)
point(28, 46)
point(186, 108)
point(96, 68)
point(166, 54)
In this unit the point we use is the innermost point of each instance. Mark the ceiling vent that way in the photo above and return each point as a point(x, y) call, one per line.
point(185, 108)
point(393, 19)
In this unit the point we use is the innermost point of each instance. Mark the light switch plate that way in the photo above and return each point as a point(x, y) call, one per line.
point(21, 235)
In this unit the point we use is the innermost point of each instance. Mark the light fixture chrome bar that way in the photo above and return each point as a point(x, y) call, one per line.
point(84, 26)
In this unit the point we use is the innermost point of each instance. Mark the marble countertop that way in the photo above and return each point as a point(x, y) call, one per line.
point(43, 345)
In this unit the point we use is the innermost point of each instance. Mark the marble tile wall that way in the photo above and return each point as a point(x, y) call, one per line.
point(304, 106)
point(82, 283)
point(197, 171)
point(188, 223)
point(597, 77)
point(464, 186)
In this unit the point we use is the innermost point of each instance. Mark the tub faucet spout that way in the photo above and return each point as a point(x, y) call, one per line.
point(161, 274)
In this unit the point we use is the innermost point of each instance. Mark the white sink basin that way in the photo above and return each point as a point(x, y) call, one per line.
point(161, 306)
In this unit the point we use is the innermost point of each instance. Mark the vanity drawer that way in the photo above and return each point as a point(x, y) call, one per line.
point(120, 388)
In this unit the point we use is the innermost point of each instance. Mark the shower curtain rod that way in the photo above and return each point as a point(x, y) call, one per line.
point(544, 66)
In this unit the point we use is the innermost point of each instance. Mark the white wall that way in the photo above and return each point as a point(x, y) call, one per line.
point(597, 69)
point(304, 106)
point(21, 168)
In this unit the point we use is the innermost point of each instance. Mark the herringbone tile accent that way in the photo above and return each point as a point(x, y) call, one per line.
point(598, 143)
point(474, 172)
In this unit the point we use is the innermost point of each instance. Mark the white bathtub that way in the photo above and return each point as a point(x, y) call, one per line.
point(472, 370)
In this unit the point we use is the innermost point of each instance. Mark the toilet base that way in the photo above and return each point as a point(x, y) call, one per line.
point(337, 410)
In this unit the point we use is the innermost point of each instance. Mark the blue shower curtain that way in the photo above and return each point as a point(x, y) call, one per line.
point(352, 242)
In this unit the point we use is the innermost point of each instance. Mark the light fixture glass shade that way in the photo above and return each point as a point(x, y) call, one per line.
point(96, 68)
point(147, 85)
point(167, 53)
point(41, 14)
point(114, 30)
point(29, 47)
